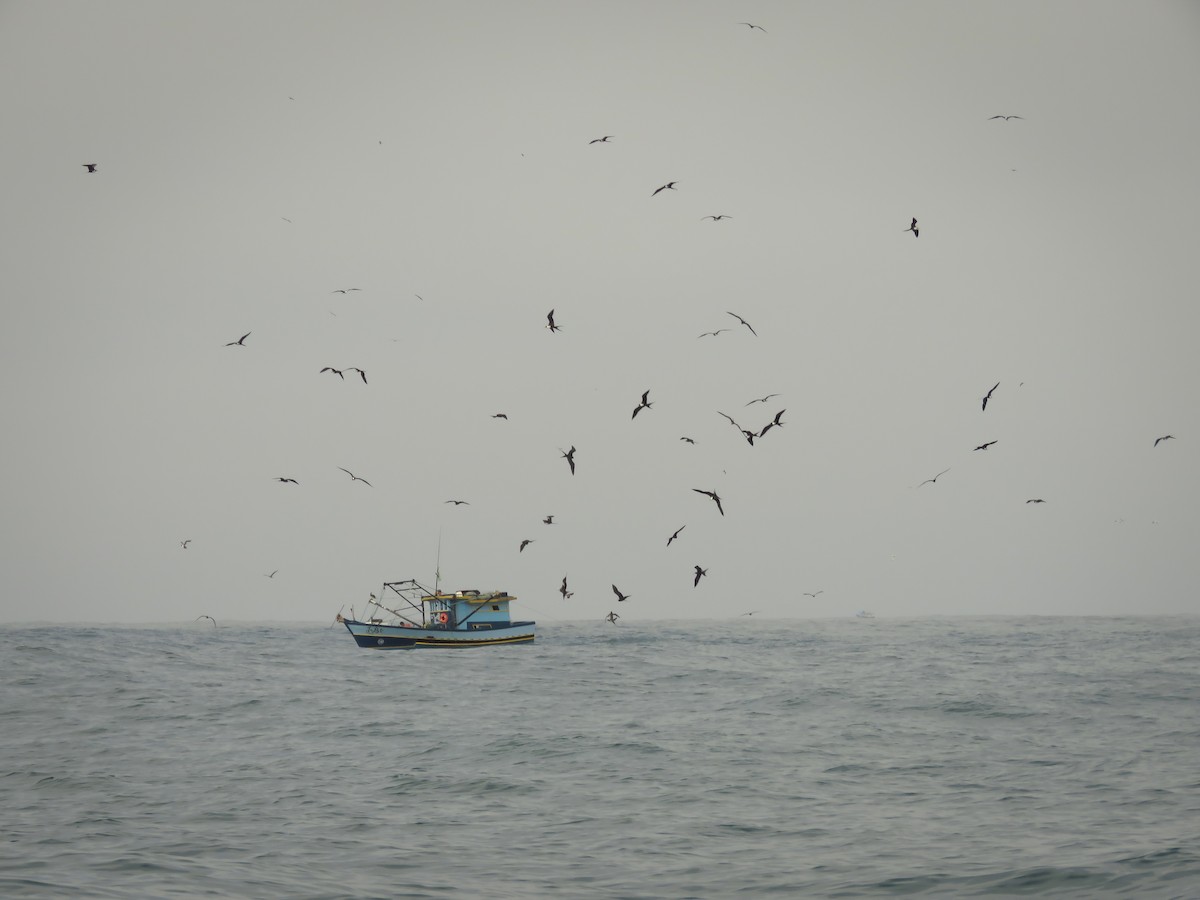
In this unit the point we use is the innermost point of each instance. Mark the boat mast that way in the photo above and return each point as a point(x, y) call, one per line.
point(437, 572)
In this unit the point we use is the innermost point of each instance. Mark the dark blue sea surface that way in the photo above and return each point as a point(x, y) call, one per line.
point(832, 758)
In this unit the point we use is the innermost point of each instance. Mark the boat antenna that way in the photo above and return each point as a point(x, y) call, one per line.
point(437, 572)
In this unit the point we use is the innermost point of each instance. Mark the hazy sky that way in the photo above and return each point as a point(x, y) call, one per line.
point(255, 157)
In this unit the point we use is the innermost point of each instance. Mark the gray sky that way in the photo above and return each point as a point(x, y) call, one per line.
point(442, 150)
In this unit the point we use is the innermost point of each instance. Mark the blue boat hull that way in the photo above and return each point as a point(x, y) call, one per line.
point(393, 637)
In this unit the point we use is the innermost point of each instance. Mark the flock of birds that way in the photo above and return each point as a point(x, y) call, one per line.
point(644, 404)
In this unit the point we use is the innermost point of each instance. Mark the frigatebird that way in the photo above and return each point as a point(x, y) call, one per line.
point(744, 322)
point(985, 446)
point(354, 477)
point(716, 218)
point(458, 502)
point(239, 341)
point(675, 535)
point(807, 594)
point(1036, 500)
point(913, 228)
point(569, 456)
point(1005, 118)
point(1165, 437)
point(525, 543)
point(934, 479)
point(989, 395)
point(549, 520)
point(184, 544)
point(500, 416)
point(670, 185)
point(712, 333)
point(210, 618)
point(753, 26)
point(550, 322)
point(337, 372)
point(645, 404)
point(602, 140)
point(715, 498)
point(700, 573)
point(91, 167)
point(286, 480)
point(345, 290)
point(762, 399)
point(621, 598)
point(612, 617)
point(563, 589)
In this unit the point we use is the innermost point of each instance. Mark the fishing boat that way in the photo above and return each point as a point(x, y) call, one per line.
point(425, 618)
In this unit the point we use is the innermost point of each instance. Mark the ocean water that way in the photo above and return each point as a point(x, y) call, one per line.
point(832, 758)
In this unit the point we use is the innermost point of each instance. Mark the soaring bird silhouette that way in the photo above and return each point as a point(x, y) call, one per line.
point(602, 140)
point(621, 598)
point(91, 167)
point(762, 399)
point(458, 502)
point(985, 446)
point(525, 543)
point(240, 342)
point(645, 404)
point(612, 617)
point(184, 544)
point(716, 218)
point(688, 439)
point(550, 322)
point(1005, 118)
point(354, 477)
point(337, 372)
point(272, 575)
point(210, 618)
point(1165, 437)
point(989, 395)
point(1036, 500)
point(913, 228)
point(569, 456)
point(500, 416)
point(934, 479)
point(669, 186)
point(715, 498)
point(744, 322)
point(807, 594)
point(712, 333)
point(563, 589)
point(752, 27)
point(675, 535)
point(549, 520)
point(345, 290)
point(285, 480)
point(700, 573)
point(361, 373)
point(777, 421)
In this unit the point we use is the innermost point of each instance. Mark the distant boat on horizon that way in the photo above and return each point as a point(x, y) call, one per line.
point(863, 614)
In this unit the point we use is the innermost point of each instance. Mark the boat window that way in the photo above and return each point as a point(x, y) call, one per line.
point(496, 607)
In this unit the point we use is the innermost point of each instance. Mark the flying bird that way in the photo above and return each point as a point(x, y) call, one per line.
point(763, 399)
point(525, 543)
point(645, 404)
point(239, 341)
point(550, 322)
point(1165, 437)
point(752, 26)
point(934, 479)
point(716, 218)
point(337, 372)
point(612, 617)
point(345, 290)
point(210, 618)
point(700, 573)
point(354, 477)
point(621, 598)
point(602, 140)
point(563, 589)
point(549, 520)
point(715, 498)
point(985, 446)
point(669, 186)
point(1005, 118)
point(989, 395)
point(285, 480)
point(712, 333)
point(361, 373)
point(458, 502)
point(500, 416)
point(569, 456)
point(272, 575)
point(1036, 500)
point(688, 439)
point(776, 421)
point(675, 535)
point(807, 594)
point(184, 544)
point(913, 228)
point(91, 167)
point(744, 322)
